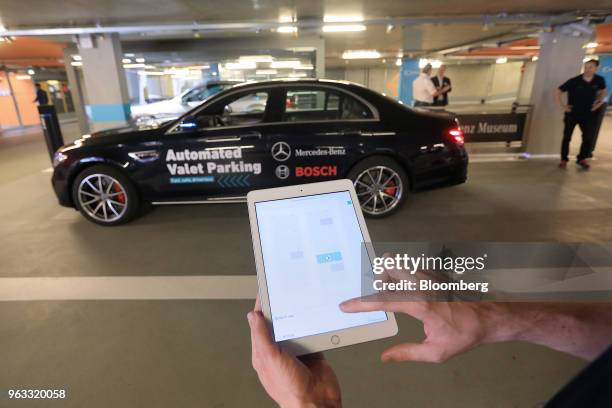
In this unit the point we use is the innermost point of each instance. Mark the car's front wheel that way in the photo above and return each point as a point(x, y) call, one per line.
point(105, 196)
point(381, 185)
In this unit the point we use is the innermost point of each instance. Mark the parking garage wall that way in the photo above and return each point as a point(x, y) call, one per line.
point(472, 83)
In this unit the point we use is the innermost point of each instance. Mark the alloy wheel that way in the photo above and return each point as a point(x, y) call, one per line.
point(379, 189)
point(102, 197)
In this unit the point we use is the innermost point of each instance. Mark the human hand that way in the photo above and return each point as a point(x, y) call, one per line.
point(566, 108)
point(450, 327)
point(596, 106)
point(307, 381)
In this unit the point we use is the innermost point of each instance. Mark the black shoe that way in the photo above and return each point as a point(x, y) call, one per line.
point(583, 164)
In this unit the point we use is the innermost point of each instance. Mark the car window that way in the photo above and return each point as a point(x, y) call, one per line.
point(321, 104)
point(235, 110)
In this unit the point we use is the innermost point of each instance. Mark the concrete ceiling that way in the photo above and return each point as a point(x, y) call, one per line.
point(37, 13)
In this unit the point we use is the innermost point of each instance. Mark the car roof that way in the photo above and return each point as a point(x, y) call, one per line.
point(301, 81)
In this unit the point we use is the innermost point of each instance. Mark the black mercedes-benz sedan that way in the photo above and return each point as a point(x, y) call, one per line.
point(260, 135)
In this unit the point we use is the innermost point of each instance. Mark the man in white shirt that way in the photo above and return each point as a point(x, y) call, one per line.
point(423, 89)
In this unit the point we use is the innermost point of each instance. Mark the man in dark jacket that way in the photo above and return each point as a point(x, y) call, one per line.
point(440, 81)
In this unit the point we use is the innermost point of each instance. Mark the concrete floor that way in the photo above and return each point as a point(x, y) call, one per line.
point(189, 353)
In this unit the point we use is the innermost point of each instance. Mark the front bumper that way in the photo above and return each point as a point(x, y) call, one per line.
point(59, 182)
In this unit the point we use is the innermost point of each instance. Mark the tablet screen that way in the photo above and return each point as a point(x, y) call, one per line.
point(311, 249)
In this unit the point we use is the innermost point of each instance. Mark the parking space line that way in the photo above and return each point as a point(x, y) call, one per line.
point(128, 288)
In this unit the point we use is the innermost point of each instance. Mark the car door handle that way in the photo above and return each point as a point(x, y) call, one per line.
point(250, 135)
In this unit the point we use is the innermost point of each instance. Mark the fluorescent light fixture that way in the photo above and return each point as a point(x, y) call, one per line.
point(360, 54)
point(140, 60)
point(76, 63)
point(2, 27)
point(307, 67)
point(534, 58)
point(77, 57)
point(255, 58)
point(129, 55)
point(126, 61)
point(266, 72)
point(241, 65)
point(587, 59)
point(331, 18)
point(398, 62)
point(287, 29)
point(151, 73)
point(200, 67)
point(23, 77)
point(343, 28)
point(435, 63)
point(285, 64)
point(133, 65)
point(297, 75)
point(501, 60)
point(591, 45)
point(423, 62)
point(286, 19)
point(31, 72)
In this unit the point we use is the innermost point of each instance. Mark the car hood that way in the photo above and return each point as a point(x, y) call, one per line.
point(118, 136)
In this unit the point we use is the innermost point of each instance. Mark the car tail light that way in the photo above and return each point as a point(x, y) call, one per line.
point(456, 136)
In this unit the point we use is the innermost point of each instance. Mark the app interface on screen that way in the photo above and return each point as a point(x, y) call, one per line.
point(312, 257)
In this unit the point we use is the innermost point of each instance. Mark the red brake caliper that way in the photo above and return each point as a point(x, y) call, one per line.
point(391, 188)
point(121, 196)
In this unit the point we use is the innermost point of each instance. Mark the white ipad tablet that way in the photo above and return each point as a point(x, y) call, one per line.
point(308, 242)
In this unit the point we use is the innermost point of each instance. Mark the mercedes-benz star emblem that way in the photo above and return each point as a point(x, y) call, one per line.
point(282, 172)
point(281, 151)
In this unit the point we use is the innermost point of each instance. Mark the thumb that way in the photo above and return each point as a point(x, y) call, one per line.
point(423, 352)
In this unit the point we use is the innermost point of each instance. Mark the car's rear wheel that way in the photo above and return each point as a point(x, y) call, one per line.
point(105, 196)
point(381, 185)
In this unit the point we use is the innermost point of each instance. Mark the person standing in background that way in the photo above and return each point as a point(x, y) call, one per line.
point(41, 96)
point(423, 89)
point(440, 81)
point(585, 95)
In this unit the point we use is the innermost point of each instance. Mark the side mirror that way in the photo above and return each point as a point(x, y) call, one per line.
point(188, 122)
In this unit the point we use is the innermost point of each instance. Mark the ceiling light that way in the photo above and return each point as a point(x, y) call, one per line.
point(266, 72)
point(360, 54)
point(343, 28)
point(31, 71)
point(285, 64)
point(256, 58)
point(200, 67)
point(435, 63)
point(76, 63)
point(287, 18)
point(133, 65)
point(151, 73)
point(398, 62)
point(287, 29)
point(129, 55)
point(241, 65)
point(23, 77)
point(140, 60)
point(297, 75)
point(342, 19)
point(591, 45)
point(126, 61)
point(389, 28)
point(534, 58)
point(77, 57)
point(2, 27)
point(501, 60)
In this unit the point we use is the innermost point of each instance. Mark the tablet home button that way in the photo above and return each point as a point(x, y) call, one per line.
point(335, 339)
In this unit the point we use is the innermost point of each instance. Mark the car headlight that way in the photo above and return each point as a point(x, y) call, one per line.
point(59, 157)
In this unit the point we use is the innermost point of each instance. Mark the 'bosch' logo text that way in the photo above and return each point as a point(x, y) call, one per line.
point(316, 171)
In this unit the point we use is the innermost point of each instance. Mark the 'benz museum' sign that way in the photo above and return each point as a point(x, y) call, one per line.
point(493, 127)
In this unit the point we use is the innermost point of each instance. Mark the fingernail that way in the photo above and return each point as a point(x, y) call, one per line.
point(343, 304)
point(250, 316)
point(385, 358)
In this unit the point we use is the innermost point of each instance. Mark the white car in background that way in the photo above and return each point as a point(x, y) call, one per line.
point(155, 113)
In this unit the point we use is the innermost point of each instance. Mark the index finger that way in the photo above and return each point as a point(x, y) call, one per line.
point(376, 302)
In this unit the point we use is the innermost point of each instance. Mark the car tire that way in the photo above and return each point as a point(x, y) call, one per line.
point(381, 185)
point(105, 196)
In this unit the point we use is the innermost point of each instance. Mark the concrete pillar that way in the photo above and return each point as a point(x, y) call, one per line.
point(320, 58)
point(561, 54)
point(409, 71)
point(76, 92)
point(108, 103)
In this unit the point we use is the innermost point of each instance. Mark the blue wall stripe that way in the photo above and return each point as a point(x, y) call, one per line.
point(408, 73)
point(111, 112)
